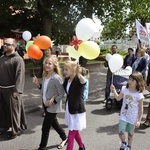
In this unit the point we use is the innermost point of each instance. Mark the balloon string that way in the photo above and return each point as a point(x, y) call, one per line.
point(112, 78)
point(33, 72)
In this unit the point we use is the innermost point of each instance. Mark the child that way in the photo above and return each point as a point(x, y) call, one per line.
point(132, 107)
point(75, 115)
point(85, 73)
point(52, 94)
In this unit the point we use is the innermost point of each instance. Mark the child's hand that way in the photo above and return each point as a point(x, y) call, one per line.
point(49, 103)
point(147, 88)
point(137, 124)
point(35, 80)
point(112, 87)
point(79, 69)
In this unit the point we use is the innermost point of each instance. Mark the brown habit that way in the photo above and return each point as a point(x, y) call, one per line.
point(12, 73)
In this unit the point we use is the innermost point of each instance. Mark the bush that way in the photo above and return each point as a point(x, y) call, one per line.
point(105, 51)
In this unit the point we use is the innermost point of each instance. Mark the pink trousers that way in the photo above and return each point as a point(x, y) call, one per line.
point(71, 136)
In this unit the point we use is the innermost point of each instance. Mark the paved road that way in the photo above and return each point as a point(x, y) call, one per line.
point(101, 131)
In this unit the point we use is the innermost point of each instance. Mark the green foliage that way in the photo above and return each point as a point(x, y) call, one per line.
point(123, 53)
point(104, 51)
point(123, 16)
point(58, 18)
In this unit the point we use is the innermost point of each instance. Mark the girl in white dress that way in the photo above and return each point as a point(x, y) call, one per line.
point(75, 115)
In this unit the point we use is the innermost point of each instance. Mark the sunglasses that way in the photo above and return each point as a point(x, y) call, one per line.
point(7, 44)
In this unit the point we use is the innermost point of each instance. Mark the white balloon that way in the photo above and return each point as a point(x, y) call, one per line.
point(129, 69)
point(96, 34)
point(26, 35)
point(115, 62)
point(124, 72)
point(85, 29)
point(108, 56)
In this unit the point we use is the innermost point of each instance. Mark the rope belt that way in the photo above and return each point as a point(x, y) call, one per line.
point(7, 87)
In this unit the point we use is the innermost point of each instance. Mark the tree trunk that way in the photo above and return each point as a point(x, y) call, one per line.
point(46, 26)
point(44, 9)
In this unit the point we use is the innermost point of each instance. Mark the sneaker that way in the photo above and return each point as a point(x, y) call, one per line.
point(123, 146)
point(128, 148)
point(104, 101)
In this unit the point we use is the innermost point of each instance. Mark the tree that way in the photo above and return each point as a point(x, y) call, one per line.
point(124, 16)
point(58, 18)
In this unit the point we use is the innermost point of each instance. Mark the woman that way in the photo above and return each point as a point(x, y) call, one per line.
point(130, 58)
point(140, 63)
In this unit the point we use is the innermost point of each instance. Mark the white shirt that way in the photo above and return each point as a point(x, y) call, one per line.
point(130, 106)
point(44, 89)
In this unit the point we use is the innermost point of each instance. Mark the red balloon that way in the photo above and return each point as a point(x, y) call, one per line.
point(34, 52)
point(43, 42)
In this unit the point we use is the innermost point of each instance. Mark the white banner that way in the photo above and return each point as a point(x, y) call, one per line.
point(148, 31)
point(141, 33)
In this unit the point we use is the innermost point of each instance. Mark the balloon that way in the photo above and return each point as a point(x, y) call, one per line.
point(124, 72)
point(28, 44)
point(72, 52)
point(115, 62)
point(26, 35)
point(108, 56)
point(89, 50)
point(34, 52)
point(85, 29)
point(129, 69)
point(43, 42)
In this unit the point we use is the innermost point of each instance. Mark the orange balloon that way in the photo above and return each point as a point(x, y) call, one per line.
point(35, 52)
point(43, 42)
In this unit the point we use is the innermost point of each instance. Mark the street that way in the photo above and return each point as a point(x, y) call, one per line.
point(102, 125)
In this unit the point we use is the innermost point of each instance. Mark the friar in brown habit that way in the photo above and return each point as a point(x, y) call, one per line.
point(12, 78)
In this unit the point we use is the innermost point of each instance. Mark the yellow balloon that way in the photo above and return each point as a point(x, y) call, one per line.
point(89, 49)
point(72, 52)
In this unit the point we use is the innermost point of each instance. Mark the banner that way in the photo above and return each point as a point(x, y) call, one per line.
point(148, 31)
point(141, 33)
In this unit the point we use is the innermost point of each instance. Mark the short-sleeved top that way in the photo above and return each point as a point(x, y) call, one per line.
point(130, 106)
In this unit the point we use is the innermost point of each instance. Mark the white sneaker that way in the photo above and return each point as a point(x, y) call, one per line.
point(127, 148)
point(123, 146)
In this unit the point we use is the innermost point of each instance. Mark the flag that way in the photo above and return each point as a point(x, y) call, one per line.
point(148, 29)
point(142, 34)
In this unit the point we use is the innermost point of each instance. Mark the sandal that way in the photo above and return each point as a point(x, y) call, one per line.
point(62, 144)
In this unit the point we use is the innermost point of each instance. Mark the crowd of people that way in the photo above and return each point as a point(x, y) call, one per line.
point(55, 86)
point(12, 114)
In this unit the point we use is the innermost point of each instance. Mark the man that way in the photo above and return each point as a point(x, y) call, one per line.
point(12, 78)
point(114, 50)
point(58, 51)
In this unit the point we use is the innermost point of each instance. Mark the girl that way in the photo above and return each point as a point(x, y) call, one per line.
point(132, 107)
point(52, 94)
point(75, 115)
